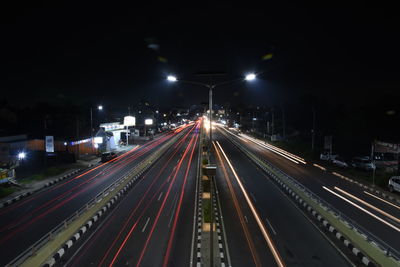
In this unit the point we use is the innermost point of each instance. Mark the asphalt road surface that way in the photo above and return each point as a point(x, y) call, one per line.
point(153, 223)
point(294, 238)
point(372, 213)
point(26, 221)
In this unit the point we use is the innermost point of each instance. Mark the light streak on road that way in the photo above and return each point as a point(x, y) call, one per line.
point(361, 208)
point(163, 204)
point(372, 195)
point(144, 197)
point(239, 211)
point(275, 148)
point(281, 152)
point(319, 167)
point(172, 234)
point(266, 236)
point(368, 205)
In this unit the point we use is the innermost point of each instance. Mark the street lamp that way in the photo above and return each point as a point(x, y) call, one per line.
point(248, 77)
point(21, 155)
point(100, 107)
point(172, 78)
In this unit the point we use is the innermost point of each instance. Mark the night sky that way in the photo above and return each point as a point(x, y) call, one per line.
point(101, 54)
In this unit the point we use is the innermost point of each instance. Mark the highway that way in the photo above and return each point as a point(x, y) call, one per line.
point(260, 220)
point(375, 215)
point(153, 223)
point(26, 221)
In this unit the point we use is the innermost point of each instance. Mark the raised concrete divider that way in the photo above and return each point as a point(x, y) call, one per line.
point(360, 244)
point(53, 245)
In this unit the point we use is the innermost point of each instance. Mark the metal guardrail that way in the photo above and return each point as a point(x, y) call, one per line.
point(139, 168)
point(389, 251)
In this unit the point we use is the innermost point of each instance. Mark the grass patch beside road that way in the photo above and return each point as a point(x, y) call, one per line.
point(5, 191)
point(207, 210)
point(51, 171)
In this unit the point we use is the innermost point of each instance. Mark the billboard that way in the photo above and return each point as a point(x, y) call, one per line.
point(129, 121)
point(148, 121)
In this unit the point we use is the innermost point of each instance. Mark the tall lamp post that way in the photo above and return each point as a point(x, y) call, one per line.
point(100, 107)
point(248, 77)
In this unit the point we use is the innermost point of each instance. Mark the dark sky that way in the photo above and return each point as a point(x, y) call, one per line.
point(100, 54)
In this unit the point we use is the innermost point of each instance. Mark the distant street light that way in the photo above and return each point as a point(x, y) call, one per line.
point(250, 77)
point(100, 107)
point(172, 78)
point(21, 155)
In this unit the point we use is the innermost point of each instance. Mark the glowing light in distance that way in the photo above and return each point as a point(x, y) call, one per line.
point(250, 77)
point(172, 78)
point(21, 155)
point(100, 107)
point(148, 121)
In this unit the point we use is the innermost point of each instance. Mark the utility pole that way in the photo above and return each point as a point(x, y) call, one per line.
point(283, 123)
point(77, 136)
point(313, 130)
point(272, 122)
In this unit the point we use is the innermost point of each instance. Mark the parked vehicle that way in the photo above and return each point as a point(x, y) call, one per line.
point(394, 184)
point(106, 156)
point(338, 161)
point(327, 156)
point(363, 163)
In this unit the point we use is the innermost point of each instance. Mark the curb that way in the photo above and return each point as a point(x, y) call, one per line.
point(199, 225)
point(57, 256)
point(73, 239)
point(369, 188)
point(365, 260)
point(218, 216)
point(19, 197)
point(362, 185)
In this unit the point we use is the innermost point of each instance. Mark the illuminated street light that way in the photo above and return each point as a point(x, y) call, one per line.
point(21, 155)
point(100, 107)
point(250, 77)
point(172, 78)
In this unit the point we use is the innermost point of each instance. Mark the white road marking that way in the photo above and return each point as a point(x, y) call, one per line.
point(253, 197)
point(173, 211)
point(245, 217)
point(160, 196)
point(144, 228)
point(270, 225)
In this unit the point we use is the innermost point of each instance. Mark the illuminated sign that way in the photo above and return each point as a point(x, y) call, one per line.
point(129, 121)
point(148, 121)
point(98, 140)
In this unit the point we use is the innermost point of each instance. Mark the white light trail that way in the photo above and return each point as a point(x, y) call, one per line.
point(270, 243)
point(364, 210)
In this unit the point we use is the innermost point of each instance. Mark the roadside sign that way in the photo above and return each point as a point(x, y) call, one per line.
point(49, 144)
